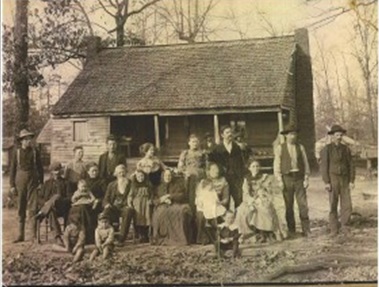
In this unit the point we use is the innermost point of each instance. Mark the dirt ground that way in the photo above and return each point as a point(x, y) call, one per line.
point(318, 258)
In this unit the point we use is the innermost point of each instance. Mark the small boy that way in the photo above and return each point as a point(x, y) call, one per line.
point(227, 237)
point(83, 195)
point(104, 237)
point(73, 241)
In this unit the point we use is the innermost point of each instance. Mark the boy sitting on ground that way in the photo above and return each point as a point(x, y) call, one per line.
point(104, 237)
point(73, 241)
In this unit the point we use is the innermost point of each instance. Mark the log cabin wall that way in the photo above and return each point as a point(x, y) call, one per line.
point(93, 134)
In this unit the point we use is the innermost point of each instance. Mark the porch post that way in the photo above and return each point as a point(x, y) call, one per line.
point(156, 132)
point(166, 128)
point(216, 129)
point(280, 123)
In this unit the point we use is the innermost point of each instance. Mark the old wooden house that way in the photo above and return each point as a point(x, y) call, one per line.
point(161, 94)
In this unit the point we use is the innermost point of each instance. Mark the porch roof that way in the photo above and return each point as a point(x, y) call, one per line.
point(253, 74)
point(46, 133)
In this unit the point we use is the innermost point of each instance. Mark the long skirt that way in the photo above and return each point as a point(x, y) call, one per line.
point(143, 212)
point(243, 219)
point(263, 217)
point(85, 216)
point(172, 224)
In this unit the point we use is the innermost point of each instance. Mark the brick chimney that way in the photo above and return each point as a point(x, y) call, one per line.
point(93, 47)
point(304, 94)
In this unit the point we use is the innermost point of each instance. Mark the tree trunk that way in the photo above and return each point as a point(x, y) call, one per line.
point(20, 64)
point(120, 41)
point(370, 110)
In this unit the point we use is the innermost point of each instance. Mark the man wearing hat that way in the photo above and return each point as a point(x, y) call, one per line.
point(26, 176)
point(291, 169)
point(338, 174)
point(56, 199)
point(110, 159)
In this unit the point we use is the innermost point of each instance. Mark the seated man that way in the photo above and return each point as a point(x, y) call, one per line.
point(55, 198)
point(116, 202)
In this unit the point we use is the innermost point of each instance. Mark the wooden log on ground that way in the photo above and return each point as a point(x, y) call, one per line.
point(323, 262)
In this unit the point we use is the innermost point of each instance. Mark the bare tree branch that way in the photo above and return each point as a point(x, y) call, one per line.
point(143, 8)
point(106, 9)
point(85, 16)
point(343, 10)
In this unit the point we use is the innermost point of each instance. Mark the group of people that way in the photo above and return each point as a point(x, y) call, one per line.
point(217, 194)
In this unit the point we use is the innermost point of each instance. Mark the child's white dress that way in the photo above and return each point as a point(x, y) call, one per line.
point(207, 202)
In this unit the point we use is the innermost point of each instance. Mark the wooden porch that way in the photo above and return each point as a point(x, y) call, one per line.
point(169, 133)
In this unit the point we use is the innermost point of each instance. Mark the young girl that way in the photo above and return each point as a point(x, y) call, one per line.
point(140, 196)
point(212, 201)
point(150, 164)
point(104, 237)
point(257, 215)
point(84, 196)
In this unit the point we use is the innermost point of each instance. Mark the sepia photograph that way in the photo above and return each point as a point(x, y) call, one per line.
point(189, 142)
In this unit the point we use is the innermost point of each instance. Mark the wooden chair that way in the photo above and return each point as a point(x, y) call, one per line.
point(45, 224)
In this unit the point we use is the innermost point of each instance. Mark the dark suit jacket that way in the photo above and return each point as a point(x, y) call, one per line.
point(120, 159)
point(112, 193)
point(233, 164)
point(60, 189)
point(337, 161)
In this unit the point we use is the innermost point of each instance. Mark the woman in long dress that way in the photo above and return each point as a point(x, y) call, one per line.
point(172, 216)
point(96, 185)
point(257, 215)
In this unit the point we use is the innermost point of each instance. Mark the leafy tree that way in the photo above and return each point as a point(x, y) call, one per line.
point(36, 121)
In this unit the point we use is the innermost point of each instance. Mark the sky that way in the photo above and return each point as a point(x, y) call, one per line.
point(252, 18)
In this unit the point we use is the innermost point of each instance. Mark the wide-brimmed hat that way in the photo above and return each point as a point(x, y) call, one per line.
point(336, 128)
point(289, 129)
point(25, 133)
point(55, 167)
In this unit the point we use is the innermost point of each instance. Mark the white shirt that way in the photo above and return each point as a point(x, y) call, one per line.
point(228, 146)
point(293, 155)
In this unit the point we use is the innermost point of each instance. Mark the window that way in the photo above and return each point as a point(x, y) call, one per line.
point(80, 131)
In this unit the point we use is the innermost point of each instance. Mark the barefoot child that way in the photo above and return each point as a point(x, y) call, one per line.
point(140, 199)
point(228, 235)
point(74, 240)
point(104, 237)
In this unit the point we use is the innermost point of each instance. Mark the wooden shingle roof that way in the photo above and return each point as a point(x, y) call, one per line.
point(46, 133)
point(252, 73)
